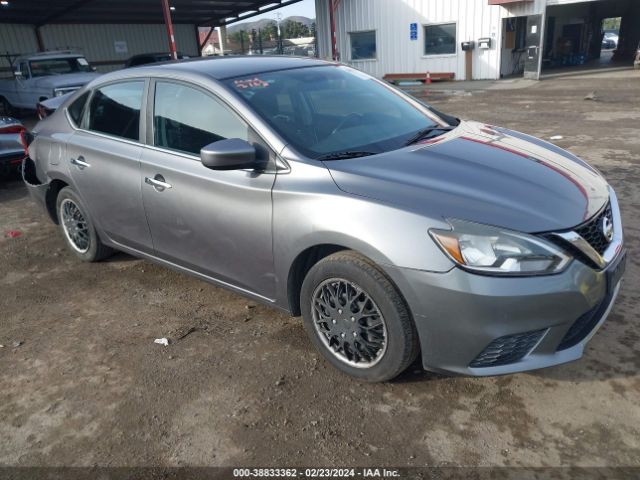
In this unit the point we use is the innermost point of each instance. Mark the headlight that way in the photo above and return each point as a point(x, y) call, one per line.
point(58, 93)
point(498, 251)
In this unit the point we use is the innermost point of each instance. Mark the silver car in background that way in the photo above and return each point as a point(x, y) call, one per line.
point(393, 229)
point(13, 145)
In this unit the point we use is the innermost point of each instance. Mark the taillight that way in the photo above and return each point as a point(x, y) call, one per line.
point(26, 138)
point(41, 111)
point(12, 129)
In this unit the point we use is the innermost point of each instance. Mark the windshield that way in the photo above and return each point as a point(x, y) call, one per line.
point(333, 111)
point(59, 66)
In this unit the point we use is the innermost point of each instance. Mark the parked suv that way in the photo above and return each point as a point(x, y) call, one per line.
point(41, 76)
point(395, 230)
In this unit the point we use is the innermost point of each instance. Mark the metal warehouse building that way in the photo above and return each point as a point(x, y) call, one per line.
point(108, 32)
point(473, 39)
point(107, 46)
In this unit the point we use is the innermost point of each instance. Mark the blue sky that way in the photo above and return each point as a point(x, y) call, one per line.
point(305, 8)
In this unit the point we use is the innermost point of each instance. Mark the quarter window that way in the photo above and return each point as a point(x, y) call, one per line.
point(76, 108)
point(186, 119)
point(440, 39)
point(115, 110)
point(363, 45)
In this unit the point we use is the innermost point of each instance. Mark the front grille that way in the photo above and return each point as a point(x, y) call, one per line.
point(508, 349)
point(592, 230)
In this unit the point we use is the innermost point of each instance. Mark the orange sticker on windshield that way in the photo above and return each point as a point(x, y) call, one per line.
point(250, 83)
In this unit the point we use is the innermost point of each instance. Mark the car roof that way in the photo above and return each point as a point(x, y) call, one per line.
point(221, 68)
point(48, 56)
point(154, 54)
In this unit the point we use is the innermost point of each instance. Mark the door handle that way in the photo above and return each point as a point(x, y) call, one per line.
point(79, 162)
point(157, 182)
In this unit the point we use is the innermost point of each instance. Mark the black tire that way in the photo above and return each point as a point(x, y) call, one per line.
point(94, 250)
point(401, 342)
point(6, 109)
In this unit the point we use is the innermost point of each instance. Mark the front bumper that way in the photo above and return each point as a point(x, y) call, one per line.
point(10, 161)
point(485, 325)
point(480, 325)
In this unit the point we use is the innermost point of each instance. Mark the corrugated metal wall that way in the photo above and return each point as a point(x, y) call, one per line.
point(396, 53)
point(97, 42)
point(15, 39)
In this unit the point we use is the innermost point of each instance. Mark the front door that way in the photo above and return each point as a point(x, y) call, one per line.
point(533, 47)
point(24, 87)
point(104, 162)
point(216, 223)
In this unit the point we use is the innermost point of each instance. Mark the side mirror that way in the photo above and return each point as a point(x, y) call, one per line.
point(229, 154)
point(18, 74)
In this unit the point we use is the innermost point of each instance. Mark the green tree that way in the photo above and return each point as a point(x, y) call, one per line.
point(269, 32)
point(291, 29)
point(240, 39)
point(611, 23)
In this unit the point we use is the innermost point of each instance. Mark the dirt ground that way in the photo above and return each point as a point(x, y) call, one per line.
point(87, 385)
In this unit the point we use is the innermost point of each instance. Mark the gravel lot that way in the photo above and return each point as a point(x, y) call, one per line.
point(243, 387)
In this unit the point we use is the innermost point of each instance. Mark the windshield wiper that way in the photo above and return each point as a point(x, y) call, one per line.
point(345, 155)
point(427, 133)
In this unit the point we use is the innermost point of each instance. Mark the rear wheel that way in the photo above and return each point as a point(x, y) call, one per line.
point(357, 318)
point(77, 228)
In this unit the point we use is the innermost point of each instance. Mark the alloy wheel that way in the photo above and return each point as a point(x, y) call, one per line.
point(349, 323)
point(75, 226)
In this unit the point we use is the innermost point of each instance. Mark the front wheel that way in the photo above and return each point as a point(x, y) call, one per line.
point(357, 318)
point(77, 228)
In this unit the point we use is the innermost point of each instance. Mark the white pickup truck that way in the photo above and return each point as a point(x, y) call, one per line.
point(43, 75)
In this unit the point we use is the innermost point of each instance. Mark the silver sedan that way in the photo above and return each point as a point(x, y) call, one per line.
point(395, 230)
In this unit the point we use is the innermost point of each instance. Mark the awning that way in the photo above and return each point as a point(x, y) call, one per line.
point(198, 12)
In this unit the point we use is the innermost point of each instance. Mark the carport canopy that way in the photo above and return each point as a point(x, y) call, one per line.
point(196, 12)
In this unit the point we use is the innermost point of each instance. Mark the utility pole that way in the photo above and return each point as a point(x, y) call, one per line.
point(169, 24)
point(278, 20)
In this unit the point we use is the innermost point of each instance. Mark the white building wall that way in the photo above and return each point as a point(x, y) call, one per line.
point(396, 53)
point(97, 42)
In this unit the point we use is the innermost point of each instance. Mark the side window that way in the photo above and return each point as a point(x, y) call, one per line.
point(363, 45)
point(115, 109)
point(440, 39)
point(24, 69)
point(76, 108)
point(186, 119)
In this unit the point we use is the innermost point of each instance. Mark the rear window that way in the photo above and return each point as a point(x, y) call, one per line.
point(115, 110)
point(59, 66)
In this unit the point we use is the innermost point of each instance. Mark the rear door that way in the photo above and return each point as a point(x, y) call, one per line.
point(104, 161)
point(217, 223)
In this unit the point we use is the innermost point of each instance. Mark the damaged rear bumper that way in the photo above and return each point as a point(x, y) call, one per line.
point(37, 189)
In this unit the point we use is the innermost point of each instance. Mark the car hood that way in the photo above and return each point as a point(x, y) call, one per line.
point(66, 80)
point(483, 174)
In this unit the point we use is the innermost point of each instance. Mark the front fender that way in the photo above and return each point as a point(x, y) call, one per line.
point(309, 210)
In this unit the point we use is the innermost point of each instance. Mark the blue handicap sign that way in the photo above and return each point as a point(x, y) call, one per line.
point(413, 31)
